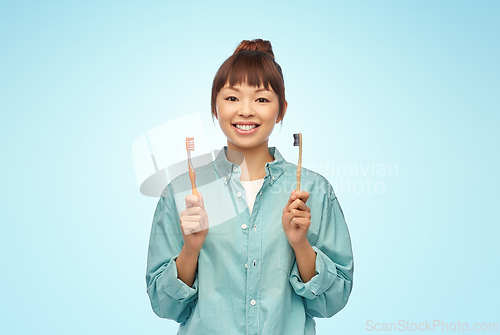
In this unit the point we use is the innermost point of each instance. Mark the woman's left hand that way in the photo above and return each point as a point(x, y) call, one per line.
point(296, 218)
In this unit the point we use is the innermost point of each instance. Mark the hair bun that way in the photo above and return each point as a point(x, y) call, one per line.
point(256, 45)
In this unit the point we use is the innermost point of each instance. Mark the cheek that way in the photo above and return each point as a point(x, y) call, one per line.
point(219, 105)
point(221, 111)
point(273, 115)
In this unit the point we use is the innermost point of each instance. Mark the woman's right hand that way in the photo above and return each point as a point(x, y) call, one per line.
point(194, 223)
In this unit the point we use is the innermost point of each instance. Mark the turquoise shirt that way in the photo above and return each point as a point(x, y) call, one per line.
point(247, 280)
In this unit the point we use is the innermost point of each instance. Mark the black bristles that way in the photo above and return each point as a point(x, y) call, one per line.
point(296, 140)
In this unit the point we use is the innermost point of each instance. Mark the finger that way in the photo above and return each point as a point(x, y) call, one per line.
point(300, 222)
point(294, 220)
point(190, 227)
point(302, 195)
point(192, 200)
point(300, 205)
point(192, 218)
point(192, 211)
point(300, 214)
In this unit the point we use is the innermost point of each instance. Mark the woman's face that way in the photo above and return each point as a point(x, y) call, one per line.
point(247, 114)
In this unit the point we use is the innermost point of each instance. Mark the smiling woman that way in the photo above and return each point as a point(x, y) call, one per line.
point(247, 116)
point(277, 262)
point(257, 69)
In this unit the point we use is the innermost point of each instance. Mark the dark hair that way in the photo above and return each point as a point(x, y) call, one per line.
point(252, 62)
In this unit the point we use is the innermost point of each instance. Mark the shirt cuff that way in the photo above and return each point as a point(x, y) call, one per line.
point(326, 272)
point(175, 287)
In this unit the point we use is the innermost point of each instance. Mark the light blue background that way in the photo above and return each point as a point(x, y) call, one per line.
point(410, 83)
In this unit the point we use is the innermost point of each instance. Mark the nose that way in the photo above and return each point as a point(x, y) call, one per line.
point(246, 109)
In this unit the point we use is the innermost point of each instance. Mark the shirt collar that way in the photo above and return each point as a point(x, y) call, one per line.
point(274, 170)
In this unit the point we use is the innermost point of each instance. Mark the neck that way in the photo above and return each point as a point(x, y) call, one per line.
point(253, 166)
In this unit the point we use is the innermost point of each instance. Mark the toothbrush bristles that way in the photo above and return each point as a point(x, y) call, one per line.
point(190, 143)
point(296, 140)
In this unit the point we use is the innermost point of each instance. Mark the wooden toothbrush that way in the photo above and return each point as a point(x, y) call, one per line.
point(297, 141)
point(192, 172)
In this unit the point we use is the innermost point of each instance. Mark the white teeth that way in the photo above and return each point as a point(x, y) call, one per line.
point(247, 127)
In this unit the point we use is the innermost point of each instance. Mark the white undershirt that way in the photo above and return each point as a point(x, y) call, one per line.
point(252, 187)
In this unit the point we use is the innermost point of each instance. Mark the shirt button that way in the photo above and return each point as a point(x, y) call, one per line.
point(225, 179)
point(238, 194)
point(244, 226)
point(253, 302)
point(255, 227)
point(235, 168)
point(273, 177)
point(246, 265)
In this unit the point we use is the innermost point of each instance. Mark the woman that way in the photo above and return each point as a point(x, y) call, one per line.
point(273, 263)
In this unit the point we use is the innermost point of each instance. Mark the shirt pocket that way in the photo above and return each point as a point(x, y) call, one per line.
point(287, 255)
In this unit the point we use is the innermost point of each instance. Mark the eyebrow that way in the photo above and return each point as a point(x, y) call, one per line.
point(235, 89)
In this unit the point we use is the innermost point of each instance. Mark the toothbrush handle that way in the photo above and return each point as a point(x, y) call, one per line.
point(192, 176)
point(299, 164)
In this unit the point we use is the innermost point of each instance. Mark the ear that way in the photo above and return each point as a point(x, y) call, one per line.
point(284, 112)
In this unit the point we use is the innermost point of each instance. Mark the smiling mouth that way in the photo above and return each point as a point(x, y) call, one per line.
point(245, 127)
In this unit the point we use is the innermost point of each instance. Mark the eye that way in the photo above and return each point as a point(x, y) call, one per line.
point(230, 98)
point(260, 100)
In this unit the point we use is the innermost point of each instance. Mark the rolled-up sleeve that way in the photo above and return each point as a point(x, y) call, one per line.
point(328, 291)
point(170, 297)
